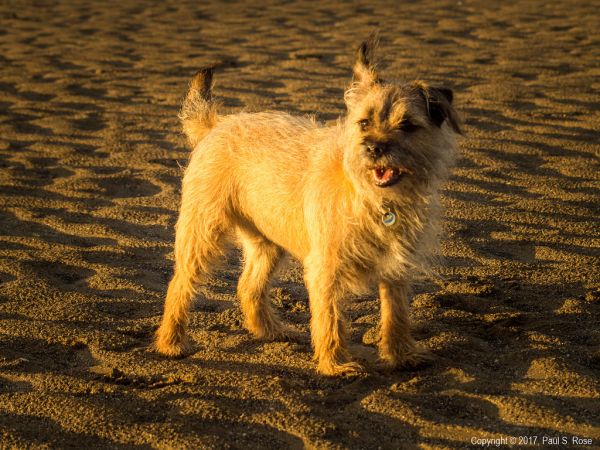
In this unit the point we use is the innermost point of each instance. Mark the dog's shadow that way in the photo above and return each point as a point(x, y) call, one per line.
point(499, 347)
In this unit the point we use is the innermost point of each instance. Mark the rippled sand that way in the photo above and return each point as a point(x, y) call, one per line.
point(90, 166)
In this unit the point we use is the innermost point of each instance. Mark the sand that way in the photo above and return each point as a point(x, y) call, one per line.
point(91, 155)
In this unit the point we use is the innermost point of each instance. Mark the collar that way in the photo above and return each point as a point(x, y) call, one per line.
point(389, 217)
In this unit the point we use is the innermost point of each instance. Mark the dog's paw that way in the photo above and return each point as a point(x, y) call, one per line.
point(290, 334)
point(277, 333)
point(333, 369)
point(415, 357)
point(174, 348)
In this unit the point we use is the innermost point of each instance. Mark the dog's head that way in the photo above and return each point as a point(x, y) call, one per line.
point(400, 135)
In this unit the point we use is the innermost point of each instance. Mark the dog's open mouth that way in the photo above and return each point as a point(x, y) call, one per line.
point(387, 176)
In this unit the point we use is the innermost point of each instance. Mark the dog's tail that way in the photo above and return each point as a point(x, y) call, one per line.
point(199, 112)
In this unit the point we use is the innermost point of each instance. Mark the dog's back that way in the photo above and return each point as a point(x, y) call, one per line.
point(259, 159)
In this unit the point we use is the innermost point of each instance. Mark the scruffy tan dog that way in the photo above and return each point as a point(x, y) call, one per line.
point(356, 203)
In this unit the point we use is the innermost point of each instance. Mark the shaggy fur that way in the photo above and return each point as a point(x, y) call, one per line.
point(288, 184)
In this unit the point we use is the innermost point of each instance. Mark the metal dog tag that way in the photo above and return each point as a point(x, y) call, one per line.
point(388, 219)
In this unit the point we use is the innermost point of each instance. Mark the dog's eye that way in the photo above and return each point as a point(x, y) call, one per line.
point(364, 124)
point(408, 126)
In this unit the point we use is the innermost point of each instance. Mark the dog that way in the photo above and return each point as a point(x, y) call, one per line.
point(357, 203)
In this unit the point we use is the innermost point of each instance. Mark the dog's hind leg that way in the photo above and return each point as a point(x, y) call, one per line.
point(199, 243)
point(261, 258)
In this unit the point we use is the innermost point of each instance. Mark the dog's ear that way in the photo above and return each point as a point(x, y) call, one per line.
point(364, 73)
point(438, 102)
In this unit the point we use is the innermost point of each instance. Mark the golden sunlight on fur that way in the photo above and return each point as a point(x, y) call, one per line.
point(356, 203)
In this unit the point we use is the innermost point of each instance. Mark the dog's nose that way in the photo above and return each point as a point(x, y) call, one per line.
point(375, 149)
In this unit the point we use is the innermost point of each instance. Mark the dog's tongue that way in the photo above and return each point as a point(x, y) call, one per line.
point(384, 174)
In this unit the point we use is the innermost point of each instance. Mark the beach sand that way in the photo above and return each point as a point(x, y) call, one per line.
point(91, 158)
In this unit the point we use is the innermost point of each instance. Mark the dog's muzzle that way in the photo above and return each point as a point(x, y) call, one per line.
point(385, 176)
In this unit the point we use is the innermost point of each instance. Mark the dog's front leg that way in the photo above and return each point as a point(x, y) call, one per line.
point(328, 323)
point(396, 346)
